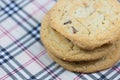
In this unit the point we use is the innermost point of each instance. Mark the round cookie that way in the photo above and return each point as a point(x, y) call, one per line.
point(65, 49)
point(87, 23)
point(90, 66)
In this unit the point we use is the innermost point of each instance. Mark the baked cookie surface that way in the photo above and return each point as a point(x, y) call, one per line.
point(65, 49)
point(90, 66)
point(87, 23)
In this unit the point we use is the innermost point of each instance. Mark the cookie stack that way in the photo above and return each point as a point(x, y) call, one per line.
point(83, 35)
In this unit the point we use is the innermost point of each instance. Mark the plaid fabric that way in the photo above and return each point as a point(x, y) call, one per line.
point(22, 55)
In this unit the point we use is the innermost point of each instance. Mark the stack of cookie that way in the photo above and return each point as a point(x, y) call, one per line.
point(83, 35)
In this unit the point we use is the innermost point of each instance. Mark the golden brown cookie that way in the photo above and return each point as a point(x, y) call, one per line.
point(106, 62)
point(65, 49)
point(87, 23)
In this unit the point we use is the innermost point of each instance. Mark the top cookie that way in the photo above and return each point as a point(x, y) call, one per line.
point(87, 23)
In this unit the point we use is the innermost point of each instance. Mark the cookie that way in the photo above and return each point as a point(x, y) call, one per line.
point(65, 49)
point(90, 66)
point(87, 23)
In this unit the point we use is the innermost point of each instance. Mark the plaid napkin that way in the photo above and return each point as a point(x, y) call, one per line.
point(22, 55)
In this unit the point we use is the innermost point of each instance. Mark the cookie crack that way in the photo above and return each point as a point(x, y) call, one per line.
point(89, 32)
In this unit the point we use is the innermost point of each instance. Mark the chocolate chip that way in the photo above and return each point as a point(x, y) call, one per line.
point(74, 30)
point(68, 22)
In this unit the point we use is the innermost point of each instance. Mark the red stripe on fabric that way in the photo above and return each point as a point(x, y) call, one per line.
point(23, 21)
point(30, 54)
point(44, 10)
point(24, 65)
point(49, 71)
point(77, 77)
point(42, 7)
point(116, 69)
point(10, 30)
